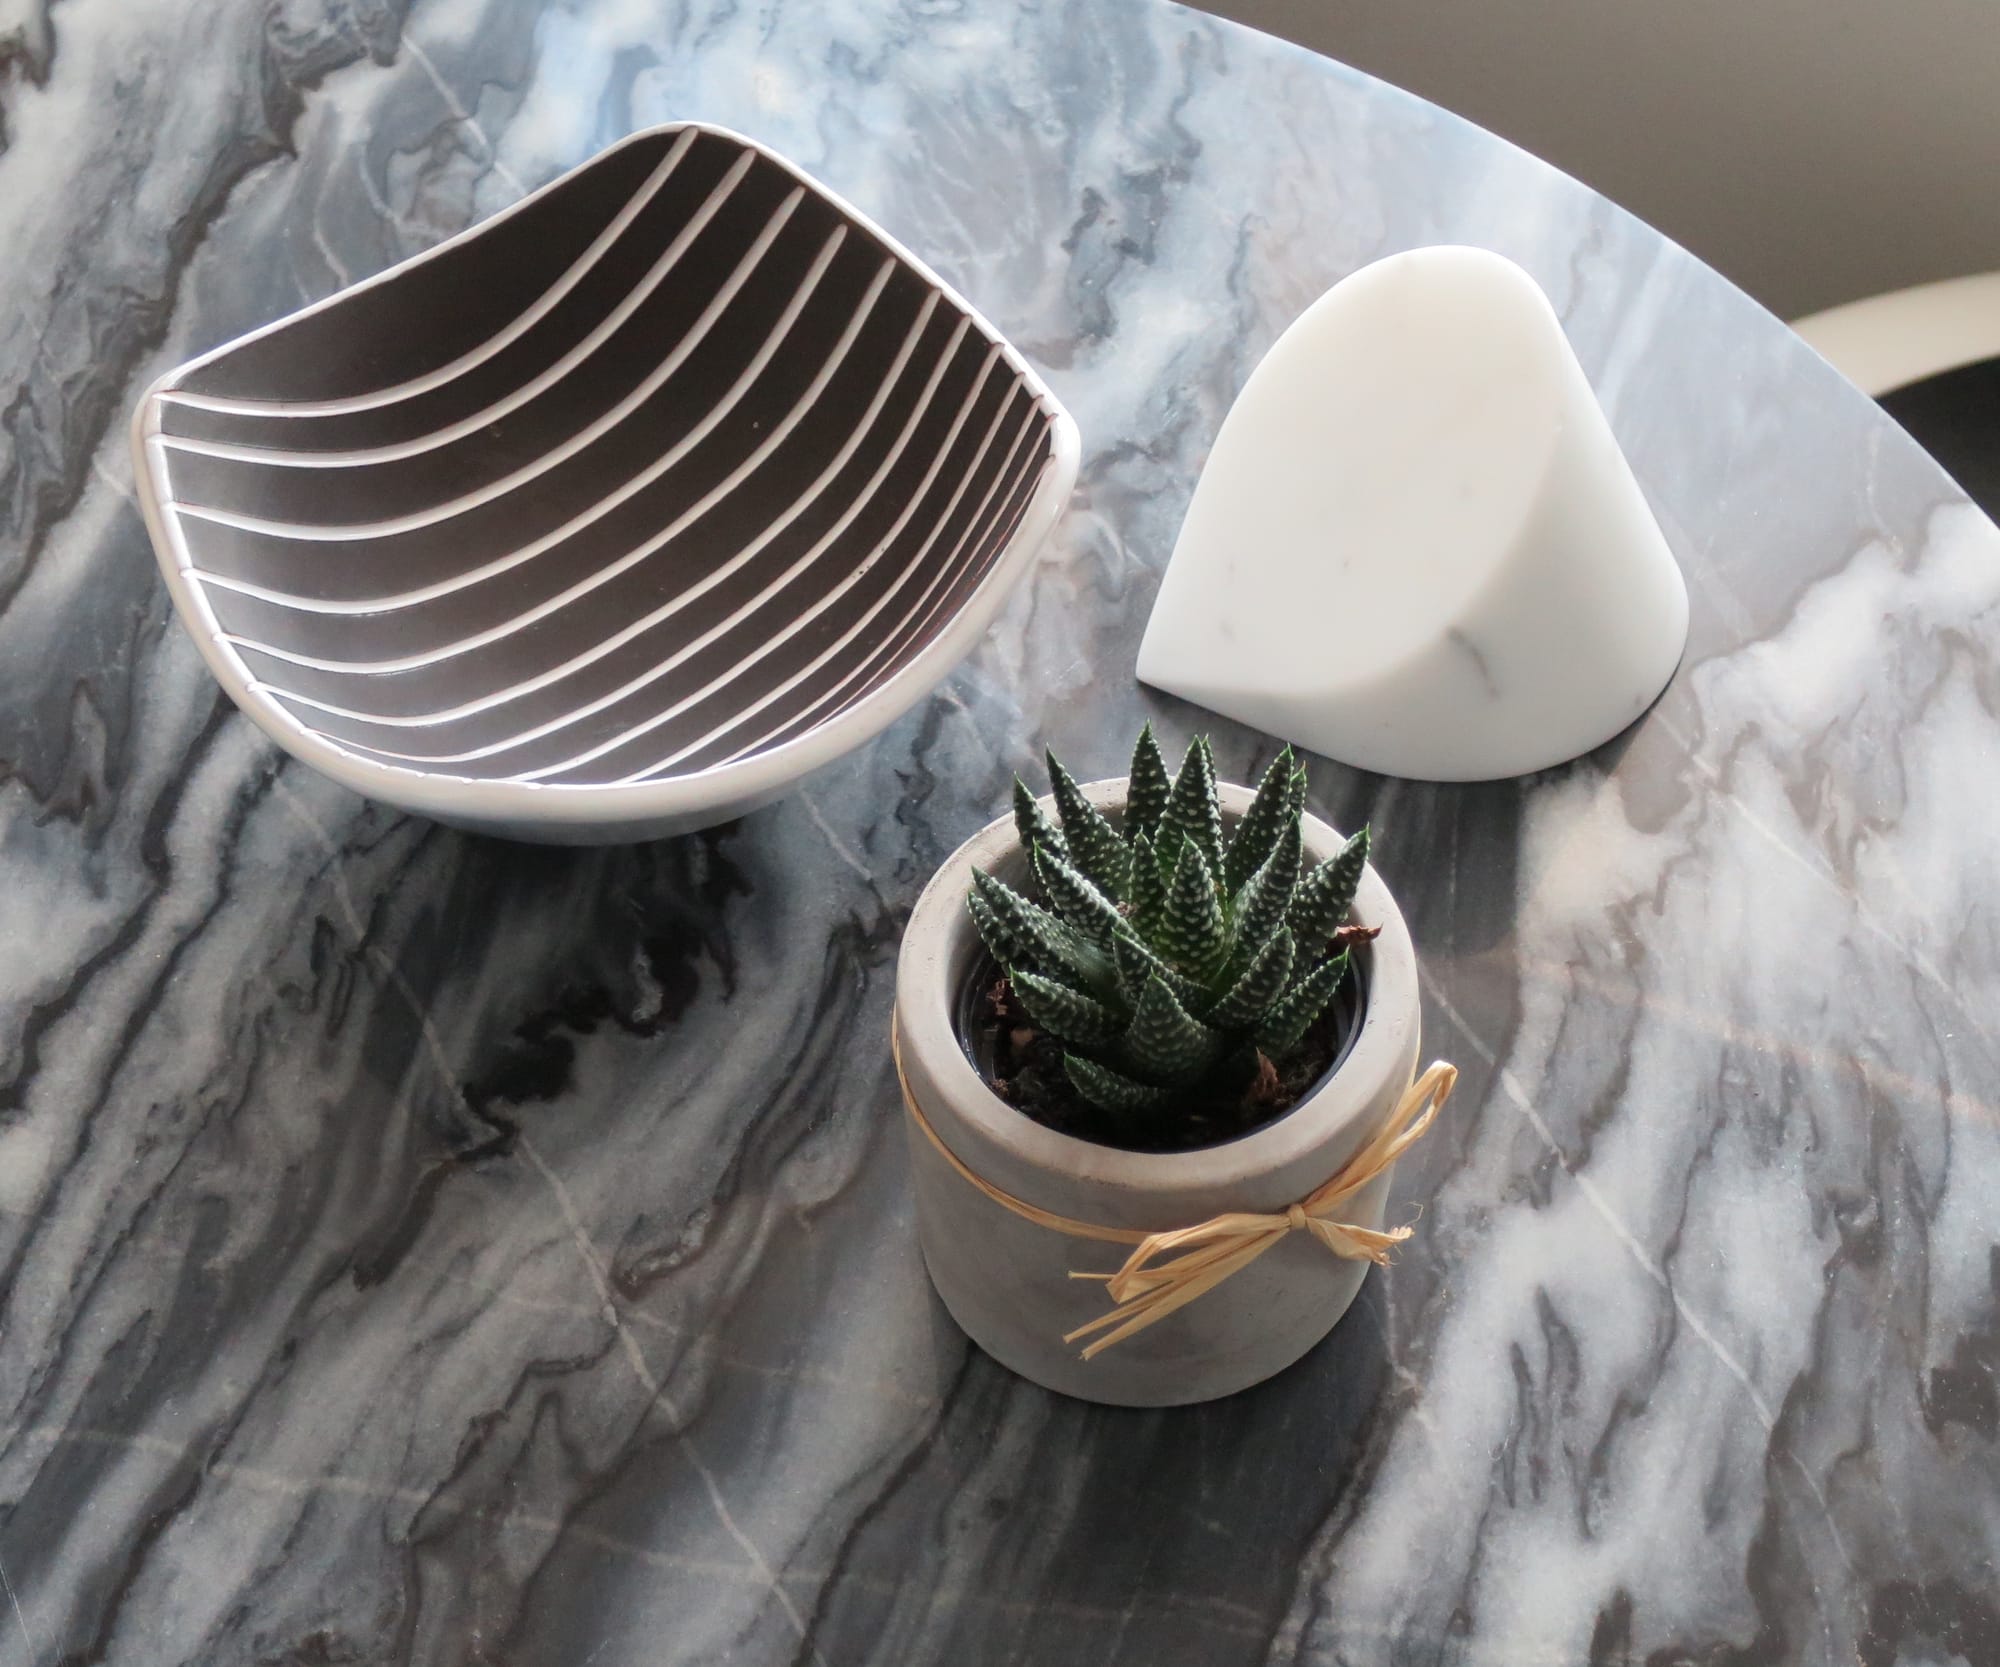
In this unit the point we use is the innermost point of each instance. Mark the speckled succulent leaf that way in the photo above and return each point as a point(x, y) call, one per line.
point(1004, 944)
point(1108, 1090)
point(1192, 936)
point(1077, 901)
point(1040, 940)
point(1259, 908)
point(1072, 1019)
point(1326, 894)
point(1266, 818)
point(1033, 825)
point(1166, 958)
point(1165, 1043)
point(1258, 987)
point(1094, 845)
point(1295, 1010)
point(1192, 812)
point(1138, 965)
point(1146, 789)
point(1147, 893)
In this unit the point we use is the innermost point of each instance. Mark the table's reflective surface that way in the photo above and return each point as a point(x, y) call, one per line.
point(422, 1249)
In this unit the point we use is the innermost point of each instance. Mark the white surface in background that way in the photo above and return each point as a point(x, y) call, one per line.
point(1889, 341)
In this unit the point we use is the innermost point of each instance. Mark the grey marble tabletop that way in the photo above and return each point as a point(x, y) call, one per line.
point(420, 1248)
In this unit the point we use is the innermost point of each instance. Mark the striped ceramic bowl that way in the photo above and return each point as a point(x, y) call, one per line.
point(614, 515)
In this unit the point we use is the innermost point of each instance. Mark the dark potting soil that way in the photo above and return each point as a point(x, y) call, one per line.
point(1024, 1066)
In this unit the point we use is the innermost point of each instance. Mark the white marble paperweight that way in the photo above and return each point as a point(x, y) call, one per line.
point(1416, 546)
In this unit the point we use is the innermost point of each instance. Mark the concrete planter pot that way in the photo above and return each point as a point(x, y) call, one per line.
point(1007, 1281)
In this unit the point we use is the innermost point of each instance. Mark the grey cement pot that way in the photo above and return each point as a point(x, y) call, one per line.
point(1007, 1281)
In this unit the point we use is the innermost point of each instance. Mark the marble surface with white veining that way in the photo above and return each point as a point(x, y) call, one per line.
point(425, 1249)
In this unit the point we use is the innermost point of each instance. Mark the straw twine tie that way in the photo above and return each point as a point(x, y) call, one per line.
point(1154, 1280)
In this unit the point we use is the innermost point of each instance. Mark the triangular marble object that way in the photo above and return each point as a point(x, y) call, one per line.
point(1416, 546)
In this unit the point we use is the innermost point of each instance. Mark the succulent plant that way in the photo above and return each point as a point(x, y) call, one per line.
point(1169, 955)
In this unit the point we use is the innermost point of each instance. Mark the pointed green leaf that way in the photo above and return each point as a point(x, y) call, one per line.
point(1067, 1016)
point(1259, 986)
point(1258, 831)
point(1146, 790)
point(1138, 965)
point(1326, 894)
point(1191, 936)
point(1078, 901)
point(1295, 795)
point(1002, 942)
point(1040, 940)
point(1148, 890)
point(1108, 1090)
point(1191, 811)
point(1295, 1011)
point(1164, 1043)
point(1259, 909)
point(1094, 845)
point(1033, 825)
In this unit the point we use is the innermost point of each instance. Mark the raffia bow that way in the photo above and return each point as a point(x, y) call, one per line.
point(1154, 1281)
